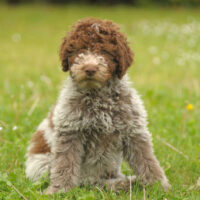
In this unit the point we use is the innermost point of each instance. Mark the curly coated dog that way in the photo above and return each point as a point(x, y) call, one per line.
point(98, 119)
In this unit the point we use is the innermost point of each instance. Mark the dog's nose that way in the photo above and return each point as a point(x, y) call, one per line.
point(90, 70)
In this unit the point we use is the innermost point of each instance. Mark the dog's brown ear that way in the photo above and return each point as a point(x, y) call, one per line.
point(64, 55)
point(125, 56)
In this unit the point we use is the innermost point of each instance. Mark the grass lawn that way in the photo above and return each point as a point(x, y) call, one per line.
point(166, 73)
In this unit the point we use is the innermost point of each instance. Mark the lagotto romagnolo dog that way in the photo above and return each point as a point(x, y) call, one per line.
point(98, 119)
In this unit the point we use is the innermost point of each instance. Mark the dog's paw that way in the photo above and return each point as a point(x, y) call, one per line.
point(51, 190)
point(120, 184)
point(151, 180)
point(56, 189)
point(125, 184)
point(165, 184)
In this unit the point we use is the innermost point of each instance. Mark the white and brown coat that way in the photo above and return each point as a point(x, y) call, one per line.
point(94, 125)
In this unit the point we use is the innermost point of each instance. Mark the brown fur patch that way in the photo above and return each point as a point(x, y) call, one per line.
point(100, 36)
point(39, 144)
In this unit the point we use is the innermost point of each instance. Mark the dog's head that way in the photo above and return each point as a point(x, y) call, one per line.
point(94, 51)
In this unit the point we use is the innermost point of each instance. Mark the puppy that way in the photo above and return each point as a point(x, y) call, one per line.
point(98, 119)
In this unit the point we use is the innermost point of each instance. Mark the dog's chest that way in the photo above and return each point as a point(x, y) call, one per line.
point(101, 147)
point(101, 115)
point(104, 112)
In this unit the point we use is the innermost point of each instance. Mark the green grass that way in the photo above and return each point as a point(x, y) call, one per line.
point(166, 73)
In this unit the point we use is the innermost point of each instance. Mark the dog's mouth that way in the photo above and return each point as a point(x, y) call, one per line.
point(89, 79)
point(89, 82)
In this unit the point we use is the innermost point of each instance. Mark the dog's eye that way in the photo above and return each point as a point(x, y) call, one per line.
point(103, 32)
point(104, 52)
point(107, 53)
point(101, 59)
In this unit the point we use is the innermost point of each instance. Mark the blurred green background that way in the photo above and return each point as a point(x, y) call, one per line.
point(113, 2)
point(166, 72)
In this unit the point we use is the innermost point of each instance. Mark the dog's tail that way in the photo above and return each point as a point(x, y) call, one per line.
point(37, 165)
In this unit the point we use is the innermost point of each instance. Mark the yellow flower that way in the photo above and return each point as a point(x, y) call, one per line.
point(189, 106)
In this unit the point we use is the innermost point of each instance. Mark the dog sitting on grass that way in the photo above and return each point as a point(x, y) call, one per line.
point(98, 119)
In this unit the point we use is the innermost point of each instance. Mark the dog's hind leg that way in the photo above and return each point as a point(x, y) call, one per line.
point(39, 151)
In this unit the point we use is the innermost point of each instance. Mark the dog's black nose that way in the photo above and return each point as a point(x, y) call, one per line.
point(90, 70)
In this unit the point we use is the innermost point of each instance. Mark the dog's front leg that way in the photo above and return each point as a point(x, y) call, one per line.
point(65, 167)
point(138, 152)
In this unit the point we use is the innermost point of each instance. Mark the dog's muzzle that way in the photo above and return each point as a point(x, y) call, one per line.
point(90, 70)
